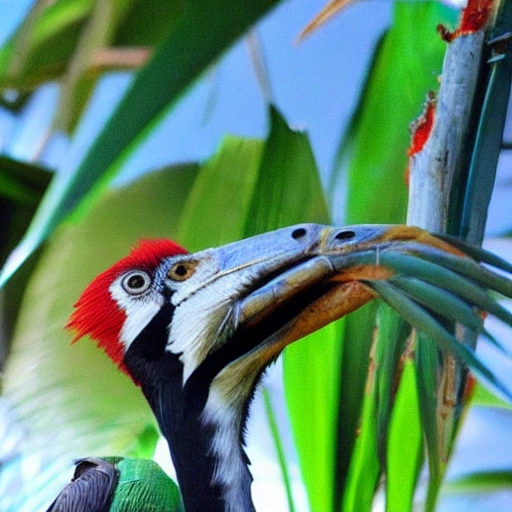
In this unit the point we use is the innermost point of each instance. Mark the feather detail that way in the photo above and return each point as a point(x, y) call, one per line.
point(96, 312)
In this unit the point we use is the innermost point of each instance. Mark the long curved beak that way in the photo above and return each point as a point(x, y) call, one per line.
point(255, 296)
point(329, 276)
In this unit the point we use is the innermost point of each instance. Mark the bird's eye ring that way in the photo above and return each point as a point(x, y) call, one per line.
point(136, 282)
point(182, 270)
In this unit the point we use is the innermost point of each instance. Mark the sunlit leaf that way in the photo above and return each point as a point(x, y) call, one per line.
point(288, 190)
point(66, 380)
point(405, 448)
point(177, 63)
point(483, 397)
point(212, 219)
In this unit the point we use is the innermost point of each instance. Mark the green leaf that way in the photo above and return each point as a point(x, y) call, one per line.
point(369, 456)
point(288, 190)
point(373, 156)
point(484, 481)
point(176, 64)
point(65, 381)
point(217, 207)
point(374, 150)
point(41, 47)
point(77, 83)
point(22, 182)
point(46, 42)
point(311, 373)
point(147, 22)
point(21, 187)
point(365, 467)
point(428, 367)
point(390, 343)
point(483, 397)
point(423, 321)
point(405, 449)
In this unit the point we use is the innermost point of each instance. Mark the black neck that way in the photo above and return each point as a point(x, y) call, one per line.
point(189, 438)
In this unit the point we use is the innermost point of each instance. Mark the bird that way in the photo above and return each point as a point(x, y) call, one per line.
point(118, 484)
point(197, 331)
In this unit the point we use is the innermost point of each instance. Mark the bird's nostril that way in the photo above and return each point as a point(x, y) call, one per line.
point(298, 233)
point(345, 235)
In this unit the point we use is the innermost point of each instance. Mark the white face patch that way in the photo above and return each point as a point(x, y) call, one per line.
point(139, 309)
point(202, 322)
point(204, 309)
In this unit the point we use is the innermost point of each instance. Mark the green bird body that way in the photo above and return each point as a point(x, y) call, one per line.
point(116, 484)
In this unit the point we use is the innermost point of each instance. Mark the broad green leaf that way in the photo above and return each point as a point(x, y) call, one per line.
point(373, 154)
point(217, 208)
point(21, 187)
point(288, 190)
point(99, 409)
point(405, 449)
point(202, 32)
point(147, 22)
point(312, 385)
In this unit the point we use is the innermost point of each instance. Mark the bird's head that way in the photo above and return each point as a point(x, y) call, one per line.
point(234, 306)
point(209, 309)
point(120, 301)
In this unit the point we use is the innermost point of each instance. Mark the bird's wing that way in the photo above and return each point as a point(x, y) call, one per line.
point(90, 490)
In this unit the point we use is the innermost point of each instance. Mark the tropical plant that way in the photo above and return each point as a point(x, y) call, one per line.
point(376, 404)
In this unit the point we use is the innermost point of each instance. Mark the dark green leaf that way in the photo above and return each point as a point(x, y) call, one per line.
point(423, 321)
point(484, 481)
point(202, 32)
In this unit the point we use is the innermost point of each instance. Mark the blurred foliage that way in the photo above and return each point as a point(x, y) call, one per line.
point(356, 419)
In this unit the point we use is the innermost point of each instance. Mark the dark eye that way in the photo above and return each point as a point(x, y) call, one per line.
point(182, 270)
point(136, 282)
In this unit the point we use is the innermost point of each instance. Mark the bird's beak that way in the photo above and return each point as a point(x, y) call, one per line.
point(252, 298)
point(324, 277)
point(267, 291)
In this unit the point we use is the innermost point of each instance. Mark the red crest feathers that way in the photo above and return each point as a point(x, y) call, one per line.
point(97, 314)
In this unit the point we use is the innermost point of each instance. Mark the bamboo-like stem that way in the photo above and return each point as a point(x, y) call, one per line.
point(441, 194)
